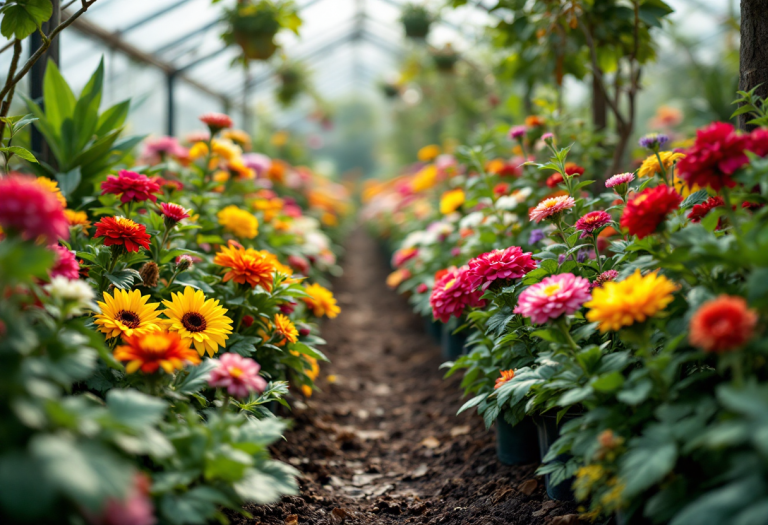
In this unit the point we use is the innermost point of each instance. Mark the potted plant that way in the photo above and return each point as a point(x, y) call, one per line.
point(445, 59)
point(293, 82)
point(253, 25)
point(416, 21)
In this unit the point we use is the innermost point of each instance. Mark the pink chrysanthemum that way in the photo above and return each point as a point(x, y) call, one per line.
point(160, 146)
point(621, 178)
point(549, 207)
point(217, 121)
point(591, 222)
point(510, 263)
point(173, 212)
point(65, 265)
point(31, 210)
point(131, 186)
point(454, 292)
point(608, 275)
point(239, 375)
point(561, 294)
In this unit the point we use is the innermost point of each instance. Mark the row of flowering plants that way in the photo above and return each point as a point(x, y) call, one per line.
point(630, 310)
point(152, 319)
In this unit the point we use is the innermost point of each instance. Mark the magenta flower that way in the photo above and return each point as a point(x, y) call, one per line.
point(31, 210)
point(561, 294)
point(591, 222)
point(239, 375)
point(65, 265)
point(608, 275)
point(159, 147)
point(216, 121)
point(510, 263)
point(173, 212)
point(135, 509)
point(257, 162)
point(515, 132)
point(403, 255)
point(621, 178)
point(549, 207)
point(131, 186)
point(454, 292)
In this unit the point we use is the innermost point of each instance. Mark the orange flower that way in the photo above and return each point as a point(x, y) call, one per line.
point(286, 328)
point(506, 375)
point(722, 324)
point(247, 265)
point(150, 351)
point(533, 121)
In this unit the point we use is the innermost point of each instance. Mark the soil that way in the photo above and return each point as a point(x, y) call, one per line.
point(380, 443)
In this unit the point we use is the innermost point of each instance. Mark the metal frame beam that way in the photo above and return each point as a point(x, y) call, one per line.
point(152, 16)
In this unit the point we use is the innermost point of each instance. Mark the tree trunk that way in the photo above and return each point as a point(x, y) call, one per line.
point(754, 49)
point(599, 106)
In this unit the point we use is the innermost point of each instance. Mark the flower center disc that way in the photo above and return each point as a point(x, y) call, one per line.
point(129, 319)
point(194, 322)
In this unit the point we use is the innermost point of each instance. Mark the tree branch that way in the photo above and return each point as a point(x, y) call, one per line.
point(6, 104)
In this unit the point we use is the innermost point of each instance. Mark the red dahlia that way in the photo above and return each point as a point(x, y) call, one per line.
point(722, 324)
point(131, 186)
point(715, 155)
point(120, 231)
point(510, 263)
point(645, 213)
point(699, 211)
point(31, 210)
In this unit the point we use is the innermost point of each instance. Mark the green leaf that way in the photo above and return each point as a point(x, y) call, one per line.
point(636, 393)
point(23, 122)
point(86, 115)
point(134, 409)
point(113, 118)
point(22, 17)
point(646, 465)
point(694, 198)
point(124, 279)
point(59, 99)
point(608, 382)
point(20, 152)
point(551, 335)
point(26, 494)
point(68, 182)
point(472, 403)
point(197, 377)
point(267, 483)
point(723, 504)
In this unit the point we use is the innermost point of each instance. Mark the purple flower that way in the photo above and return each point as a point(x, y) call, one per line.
point(536, 236)
point(582, 256)
point(561, 258)
point(653, 141)
point(516, 132)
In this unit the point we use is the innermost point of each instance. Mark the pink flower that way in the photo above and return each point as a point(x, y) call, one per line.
point(162, 146)
point(216, 121)
point(454, 292)
point(561, 294)
point(510, 263)
point(30, 209)
point(173, 212)
point(198, 136)
point(759, 142)
point(421, 288)
point(131, 186)
point(66, 264)
point(299, 263)
point(239, 375)
point(136, 509)
point(403, 255)
point(257, 162)
point(608, 275)
point(515, 132)
point(621, 178)
point(591, 222)
point(549, 207)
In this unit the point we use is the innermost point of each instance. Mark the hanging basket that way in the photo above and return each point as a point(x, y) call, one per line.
point(416, 26)
point(445, 61)
point(256, 46)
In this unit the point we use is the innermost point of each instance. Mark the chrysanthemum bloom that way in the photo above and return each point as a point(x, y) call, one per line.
point(53, 187)
point(242, 223)
point(646, 212)
point(451, 201)
point(510, 263)
point(618, 304)
point(286, 328)
point(198, 320)
point(653, 141)
point(78, 295)
point(715, 155)
point(606, 276)
point(591, 222)
point(216, 121)
point(618, 180)
point(77, 218)
point(321, 301)
point(699, 211)
point(131, 187)
point(651, 167)
point(127, 313)
point(552, 206)
point(65, 264)
point(722, 324)
point(173, 213)
point(31, 210)
point(239, 375)
point(119, 231)
point(428, 153)
point(154, 350)
point(561, 294)
point(247, 265)
point(403, 255)
point(506, 375)
point(453, 293)
point(517, 132)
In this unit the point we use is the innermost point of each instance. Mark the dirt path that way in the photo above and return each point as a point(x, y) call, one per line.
point(381, 442)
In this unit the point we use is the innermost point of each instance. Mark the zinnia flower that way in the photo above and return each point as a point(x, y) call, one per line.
point(722, 324)
point(154, 350)
point(127, 313)
point(617, 180)
point(561, 294)
point(173, 213)
point(131, 186)
point(699, 211)
point(554, 179)
point(647, 211)
point(428, 153)
point(240, 222)
point(506, 375)
point(119, 231)
point(216, 121)
point(65, 264)
point(247, 265)
point(286, 328)
point(510, 263)
point(715, 155)
point(606, 276)
point(453, 293)
point(451, 201)
point(321, 301)
point(198, 320)
point(591, 222)
point(552, 206)
point(517, 132)
point(239, 375)
point(633, 300)
point(31, 210)
point(159, 147)
point(651, 167)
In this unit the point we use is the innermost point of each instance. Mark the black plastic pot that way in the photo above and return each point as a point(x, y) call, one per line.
point(434, 329)
point(416, 27)
point(452, 344)
point(519, 444)
point(549, 431)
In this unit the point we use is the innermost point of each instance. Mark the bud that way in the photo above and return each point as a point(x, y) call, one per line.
point(421, 288)
point(247, 321)
point(549, 138)
point(149, 274)
point(304, 332)
point(298, 263)
point(287, 308)
point(184, 262)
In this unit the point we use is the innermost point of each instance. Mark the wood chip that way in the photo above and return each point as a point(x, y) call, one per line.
point(545, 507)
point(339, 516)
point(292, 519)
point(419, 472)
point(460, 431)
point(430, 442)
point(528, 486)
point(568, 519)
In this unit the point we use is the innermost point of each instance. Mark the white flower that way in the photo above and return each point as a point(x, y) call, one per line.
point(77, 295)
point(473, 220)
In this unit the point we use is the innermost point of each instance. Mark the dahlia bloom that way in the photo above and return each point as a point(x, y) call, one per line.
point(591, 222)
point(239, 375)
point(65, 264)
point(716, 154)
point(173, 212)
point(120, 231)
point(510, 263)
point(722, 324)
point(561, 294)
point(645, 213)
point(606, 276)
point(506, 375)
point(551, 206)
point(453, 292)
point(216, 121)
point(573, 170)
point(621, 178)
point(699, 211)
point(131, 187)
point(31, 210)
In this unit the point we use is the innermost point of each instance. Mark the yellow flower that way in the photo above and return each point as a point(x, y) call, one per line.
point(329, 219)
point(269, 207)
point(321, 301)
point(312, 373)
point(633, 300)
point(198, 320)
point(397, 277)
point(127, 313)
point(651, 166)
point(198, 150)
point(683, 189)
point(451, 201)
point(425, 179)
point(247, 265)
point(77, 218)
point(225, 149)
point(243, 171)
point(280, 138)
point(53, 187)
point(240, 222)
point(286, 328)
point(428, 153)
point(221, 176)
point(240, 137)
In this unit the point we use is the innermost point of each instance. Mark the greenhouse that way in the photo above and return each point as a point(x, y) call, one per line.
point(438, 262)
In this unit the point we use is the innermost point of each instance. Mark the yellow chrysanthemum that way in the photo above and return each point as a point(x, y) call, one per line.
point(451, 201)
point(286, 329)
point(127, 313)
point(198, 150)
point(428, 153)
point(633, 300)
point(77, 218)
point(650, 166)
point(321, 301)
point(240, 137)
point(199, 320)
point(269, 207)
point(226, 149)
point(240, 222)
point(243, 172)
point(425, 179)
point(53, 187)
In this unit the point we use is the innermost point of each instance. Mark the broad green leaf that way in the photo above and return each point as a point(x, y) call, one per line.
point(646, 465)
point(86, 116)
point(134, 409)
point(608, 382)
point(113, 118)
point(21, 18)
point(59, 101)
point(20, 152)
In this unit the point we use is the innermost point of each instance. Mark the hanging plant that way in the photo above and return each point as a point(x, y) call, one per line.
point(253, 25)
point(390, 89)
point(445, 59)
point(416, 21)
point(293, 82)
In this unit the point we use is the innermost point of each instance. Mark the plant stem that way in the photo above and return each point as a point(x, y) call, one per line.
point(597, 254)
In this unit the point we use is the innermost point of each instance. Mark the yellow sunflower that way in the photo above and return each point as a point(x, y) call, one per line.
point(650, 166)
point(199, 320)
point(240, 222)
point(127, 313)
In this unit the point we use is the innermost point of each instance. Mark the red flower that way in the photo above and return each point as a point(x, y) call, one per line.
point(216, 121)
point(31, 210)
point(501, 189)
point(509, 169)
point(453, 293)
point(591, 222)
point(645, 213)
point(759, 142)
point(554, 179)
point(722, 324)
point(573, 169)
point(121, 231)
point(299, 263)
point(510, 263)
point(421, 288)
point(173, 212)
point(699, 211)
point(66, 264)
point(715, 155)
point(130, 186)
